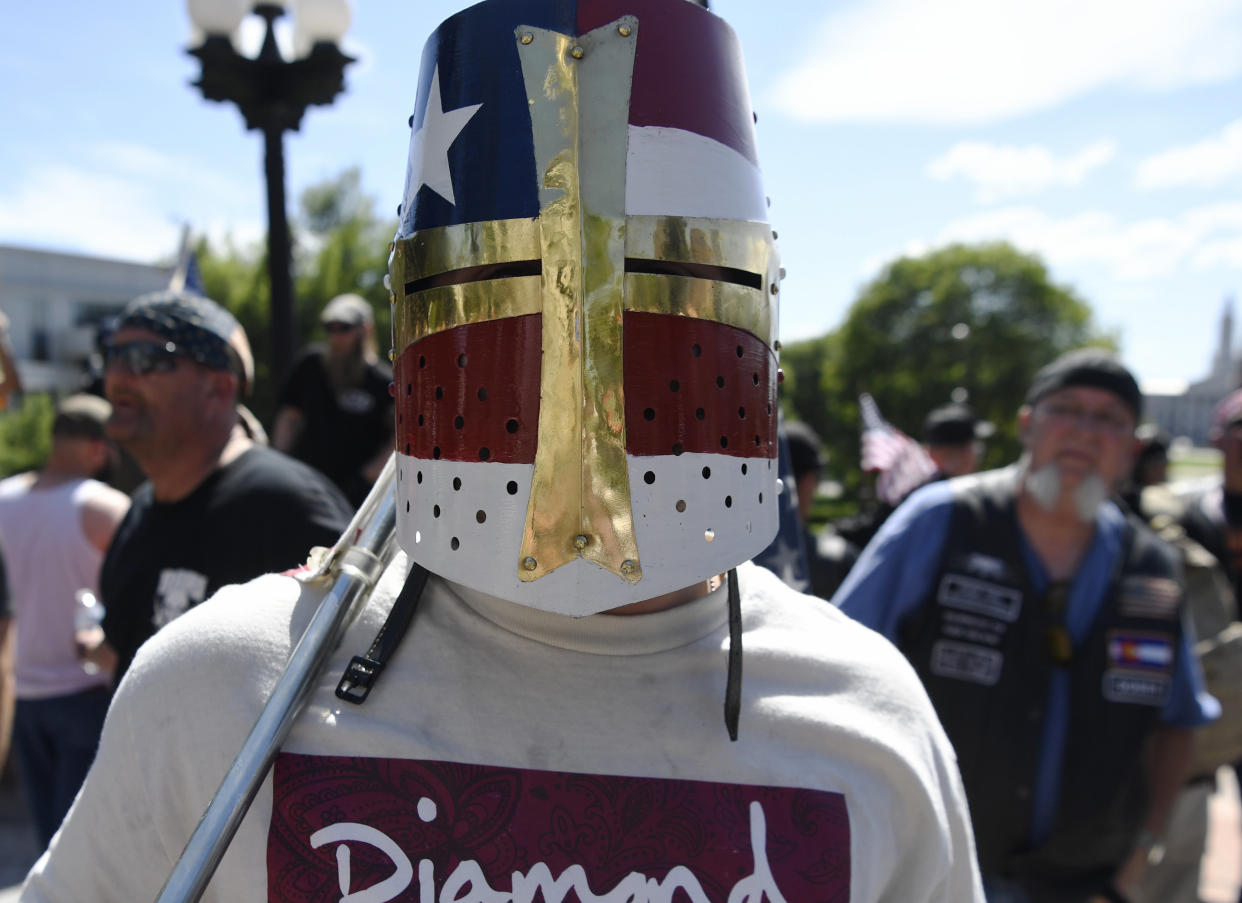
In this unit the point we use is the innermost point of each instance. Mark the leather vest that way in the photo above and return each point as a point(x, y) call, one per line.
point(984, 644)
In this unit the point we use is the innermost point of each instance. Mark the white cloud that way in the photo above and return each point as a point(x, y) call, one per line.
point(963, 61)
point(125, 201)
point(1005, 172)
point(1205, 164)
point(1195, 240)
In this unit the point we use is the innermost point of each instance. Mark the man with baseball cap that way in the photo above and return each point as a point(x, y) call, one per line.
point(1047, 628)
point(953, 436)
point(217, 507)
point(55, 525)
point(335, 411)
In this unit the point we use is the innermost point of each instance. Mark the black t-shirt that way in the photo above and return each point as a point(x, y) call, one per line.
point(259, 514)
point(341, 431)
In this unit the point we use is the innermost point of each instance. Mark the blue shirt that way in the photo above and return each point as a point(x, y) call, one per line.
point(895, 572)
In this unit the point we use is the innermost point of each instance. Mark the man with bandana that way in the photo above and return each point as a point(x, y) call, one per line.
point(584, 290)
point(217, 507)
point(1047, 627)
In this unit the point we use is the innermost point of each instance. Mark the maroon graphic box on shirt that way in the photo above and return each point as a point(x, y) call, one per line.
point(370, 830)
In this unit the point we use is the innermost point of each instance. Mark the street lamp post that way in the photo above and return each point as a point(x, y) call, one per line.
point(272, 93)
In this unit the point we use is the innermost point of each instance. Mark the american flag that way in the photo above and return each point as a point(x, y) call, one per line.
point(902, 464)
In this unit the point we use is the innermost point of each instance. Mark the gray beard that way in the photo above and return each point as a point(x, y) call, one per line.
point(1044, 487)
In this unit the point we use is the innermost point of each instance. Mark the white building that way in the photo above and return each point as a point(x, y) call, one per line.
point(1189, 412)
point(55, 302)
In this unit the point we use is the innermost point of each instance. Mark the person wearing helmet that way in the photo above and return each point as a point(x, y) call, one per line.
point(584, 285)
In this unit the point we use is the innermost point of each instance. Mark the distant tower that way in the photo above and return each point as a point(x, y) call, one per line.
point(1223, 368)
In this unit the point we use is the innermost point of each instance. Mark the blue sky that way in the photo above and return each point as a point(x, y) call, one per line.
point(1105, 136)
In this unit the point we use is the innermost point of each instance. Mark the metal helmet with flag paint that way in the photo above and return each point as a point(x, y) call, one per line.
point(585, 292)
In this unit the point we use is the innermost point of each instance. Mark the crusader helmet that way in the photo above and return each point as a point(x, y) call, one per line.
point(585, 292)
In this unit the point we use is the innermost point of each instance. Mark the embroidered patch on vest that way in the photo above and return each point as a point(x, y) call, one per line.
point(379, 830)
point(966, 661)
point(1139, 687)
point(1149, 597)
point(1135, 649)
point(980, 596)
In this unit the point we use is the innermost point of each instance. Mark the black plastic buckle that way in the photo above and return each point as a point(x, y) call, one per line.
point(356, 682)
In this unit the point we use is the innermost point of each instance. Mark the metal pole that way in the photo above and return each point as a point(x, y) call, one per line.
point(359, 563)
point(279, 255)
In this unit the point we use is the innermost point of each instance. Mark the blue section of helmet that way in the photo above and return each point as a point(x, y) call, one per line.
point(492, 161)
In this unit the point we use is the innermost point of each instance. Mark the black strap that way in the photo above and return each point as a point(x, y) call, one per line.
point(356, 683)
point(733, 684)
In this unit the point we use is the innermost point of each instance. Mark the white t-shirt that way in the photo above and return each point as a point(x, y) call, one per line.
point(505, 749)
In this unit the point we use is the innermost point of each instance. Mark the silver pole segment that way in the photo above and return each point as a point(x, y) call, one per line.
point(358, 560)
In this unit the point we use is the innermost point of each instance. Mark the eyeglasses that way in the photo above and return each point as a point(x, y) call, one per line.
point(1106, 421)
point(336, 328)
point(144, 357)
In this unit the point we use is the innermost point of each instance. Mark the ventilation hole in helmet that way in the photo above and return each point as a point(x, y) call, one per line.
point(741, 413)
point(761, 498)
point(459, 421)
point(754, 378)
point(695, 350)
point(484, 453)
point(758, 441)
point(480, 516)
point(439, 392)
point(719, 382)
point(674, 385)
point(700, 414)
point(649, 414)
point(409, 388)
point(435, 511)
point(400, 474)
point(435, 453)
point(677, 449)
point(744, 469)
point(728, 501)
point(680, 506)
point(420, 419)
point(511, 425)
point(482, 393)
point(457, 484)
point(422, 362)
point(649, 477)
point(707, 473)
point(461, 359)
point(724, 441)
point(511, 487)
point(709, 535)
point(739, 350)
point(407, 506)
point(419, 476)
point(454, 543)
point(407, 448)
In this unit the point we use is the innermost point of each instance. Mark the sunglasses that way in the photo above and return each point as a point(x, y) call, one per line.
point(336, 328)
point(144, 357)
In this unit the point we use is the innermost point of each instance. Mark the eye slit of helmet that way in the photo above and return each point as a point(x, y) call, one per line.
point(694, 271)
point(481, 273)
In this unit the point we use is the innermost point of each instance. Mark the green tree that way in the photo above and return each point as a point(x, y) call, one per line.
point(982, 318)
point(26, 433)
point(340, 245)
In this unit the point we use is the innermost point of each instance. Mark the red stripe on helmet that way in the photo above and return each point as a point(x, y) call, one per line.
point(697, 386)
point(471, 393)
